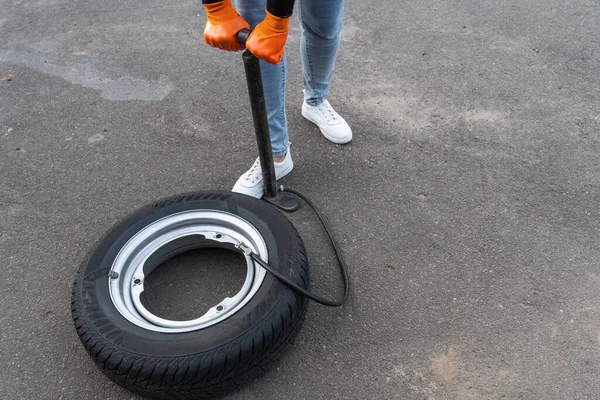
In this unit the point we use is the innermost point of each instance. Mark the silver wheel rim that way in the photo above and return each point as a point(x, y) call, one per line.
point(172, 235)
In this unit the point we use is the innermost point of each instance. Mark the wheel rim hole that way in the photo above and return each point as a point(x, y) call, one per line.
point(186, 286)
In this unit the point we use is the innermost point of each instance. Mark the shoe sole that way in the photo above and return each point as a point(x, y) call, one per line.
point(327, 136)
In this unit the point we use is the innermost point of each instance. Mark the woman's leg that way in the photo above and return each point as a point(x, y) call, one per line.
point(273, 76)
point(321, 25)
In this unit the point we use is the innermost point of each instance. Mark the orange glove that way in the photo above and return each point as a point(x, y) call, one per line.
point(222, 25)
point(268, 38)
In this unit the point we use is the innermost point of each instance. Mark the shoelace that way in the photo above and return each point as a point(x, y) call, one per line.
point(327, 112)
point(254, 173)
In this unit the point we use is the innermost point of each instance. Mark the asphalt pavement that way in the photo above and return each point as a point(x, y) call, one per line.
point(467, 204)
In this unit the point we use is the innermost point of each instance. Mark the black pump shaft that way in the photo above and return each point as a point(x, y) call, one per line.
point(259, 115)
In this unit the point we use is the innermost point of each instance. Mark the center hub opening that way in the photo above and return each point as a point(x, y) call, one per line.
point(185, 286)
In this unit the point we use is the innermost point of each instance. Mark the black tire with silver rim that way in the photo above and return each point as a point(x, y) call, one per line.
point(234, 341)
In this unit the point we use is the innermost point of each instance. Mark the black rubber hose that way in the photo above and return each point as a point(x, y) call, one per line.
point(301, 290)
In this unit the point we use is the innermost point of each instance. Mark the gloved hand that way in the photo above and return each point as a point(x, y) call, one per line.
point(222, 25)
point(268, 38)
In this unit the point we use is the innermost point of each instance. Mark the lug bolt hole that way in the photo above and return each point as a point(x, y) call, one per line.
point(137, 281)
point(219, 308)
point(219, 236)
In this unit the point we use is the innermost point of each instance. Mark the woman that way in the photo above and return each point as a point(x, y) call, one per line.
point(321, 23)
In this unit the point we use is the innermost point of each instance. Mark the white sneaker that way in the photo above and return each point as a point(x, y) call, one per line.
point(251, 182)
point(332, 126)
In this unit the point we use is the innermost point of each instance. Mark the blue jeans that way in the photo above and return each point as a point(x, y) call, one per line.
point(321, 25)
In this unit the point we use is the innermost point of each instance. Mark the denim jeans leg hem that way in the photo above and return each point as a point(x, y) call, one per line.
point(279, 153)
point(315, 102)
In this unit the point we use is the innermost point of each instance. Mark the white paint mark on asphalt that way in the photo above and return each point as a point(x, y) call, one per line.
point(98, 137)
point(446, 366)
point(84, 74)
point(490, 116)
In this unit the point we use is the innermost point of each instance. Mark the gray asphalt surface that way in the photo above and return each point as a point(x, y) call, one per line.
point(467, 204)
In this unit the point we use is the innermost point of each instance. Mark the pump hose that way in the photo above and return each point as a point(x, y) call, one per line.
point(340, 259)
